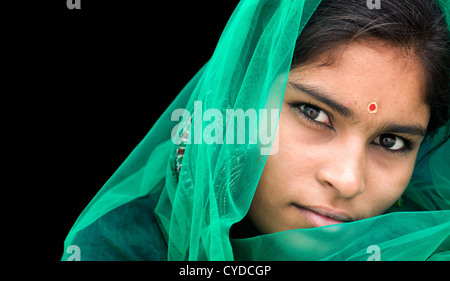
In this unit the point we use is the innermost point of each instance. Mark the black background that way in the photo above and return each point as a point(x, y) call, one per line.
point(80, 91)
point(89, 85)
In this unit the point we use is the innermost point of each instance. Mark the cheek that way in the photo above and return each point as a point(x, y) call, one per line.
point(267, 211)
point(275, 180)
point(385, 186)
point(283, 176)
point(291, 165)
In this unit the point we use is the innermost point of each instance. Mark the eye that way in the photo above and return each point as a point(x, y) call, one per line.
point(314, 113)
point(391, 142)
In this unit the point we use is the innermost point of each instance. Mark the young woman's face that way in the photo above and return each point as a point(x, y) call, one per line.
point(336, 162)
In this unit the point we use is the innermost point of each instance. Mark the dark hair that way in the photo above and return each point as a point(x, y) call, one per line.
point(417, 26)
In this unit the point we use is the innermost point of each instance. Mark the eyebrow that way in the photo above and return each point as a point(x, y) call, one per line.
point(399, 129)
point(347, 113)
point(321, 97)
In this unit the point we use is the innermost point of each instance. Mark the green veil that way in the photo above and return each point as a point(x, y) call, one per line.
point(162, 204)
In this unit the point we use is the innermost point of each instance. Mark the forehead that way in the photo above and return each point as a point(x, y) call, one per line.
point(369, 72)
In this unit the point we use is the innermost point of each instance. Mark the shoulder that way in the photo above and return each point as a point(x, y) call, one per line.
point(129, 232)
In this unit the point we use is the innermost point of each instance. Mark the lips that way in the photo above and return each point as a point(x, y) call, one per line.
point(322, 216)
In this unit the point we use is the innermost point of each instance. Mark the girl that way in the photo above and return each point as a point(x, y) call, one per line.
point(358, 156)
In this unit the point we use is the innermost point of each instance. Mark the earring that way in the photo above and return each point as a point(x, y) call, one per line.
point(399, 202)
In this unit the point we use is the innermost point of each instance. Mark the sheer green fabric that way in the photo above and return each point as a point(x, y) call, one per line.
point(149, 211)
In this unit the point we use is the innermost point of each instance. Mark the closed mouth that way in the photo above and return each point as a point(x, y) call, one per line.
point(321, 216)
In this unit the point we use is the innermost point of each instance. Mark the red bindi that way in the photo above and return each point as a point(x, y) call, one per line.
point(373, 107)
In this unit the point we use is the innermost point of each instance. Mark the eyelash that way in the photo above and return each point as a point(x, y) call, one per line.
point(296, 106)
point(407, 148)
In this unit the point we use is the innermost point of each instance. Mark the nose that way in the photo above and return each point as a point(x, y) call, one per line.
point(344, 169)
